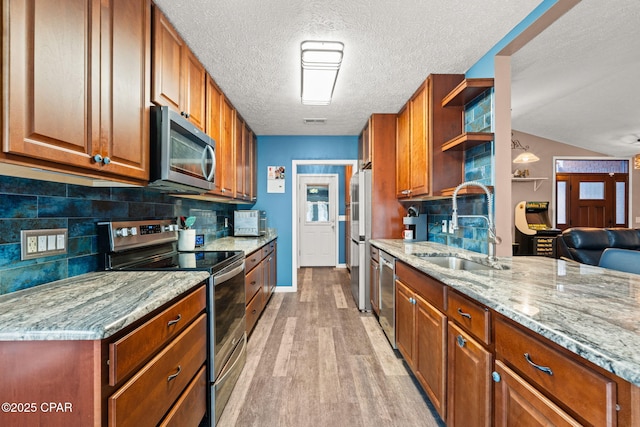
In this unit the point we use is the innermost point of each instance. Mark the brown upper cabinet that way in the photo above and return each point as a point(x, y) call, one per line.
point(241, 148)
point(214, 130)
point(380, 134)
point(178, 77)
point(77, 86)
point(423, 170)
point(364, 148)
point(228, 144)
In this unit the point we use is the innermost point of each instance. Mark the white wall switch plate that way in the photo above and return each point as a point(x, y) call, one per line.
point(444, 226)
point(42, 243)
point(61, 241)
point(51, 242)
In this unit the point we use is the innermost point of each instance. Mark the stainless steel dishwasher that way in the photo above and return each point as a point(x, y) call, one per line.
point(387, 316)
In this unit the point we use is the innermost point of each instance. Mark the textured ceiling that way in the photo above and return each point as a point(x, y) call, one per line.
point(252, 50)
point(577, 82)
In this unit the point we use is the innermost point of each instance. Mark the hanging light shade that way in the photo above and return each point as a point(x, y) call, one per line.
point(527, 156)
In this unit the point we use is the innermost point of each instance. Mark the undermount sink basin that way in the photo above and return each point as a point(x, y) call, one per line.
point(455, 263)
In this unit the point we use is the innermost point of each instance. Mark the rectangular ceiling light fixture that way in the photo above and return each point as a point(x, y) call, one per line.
point(320, 64)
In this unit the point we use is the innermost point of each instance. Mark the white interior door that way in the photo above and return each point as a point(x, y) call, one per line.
point(317, 220)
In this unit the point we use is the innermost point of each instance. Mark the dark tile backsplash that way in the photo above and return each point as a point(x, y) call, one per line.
point(30, 204)
point(472, 232)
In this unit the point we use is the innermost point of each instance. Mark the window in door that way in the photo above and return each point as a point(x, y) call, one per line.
point(317, 203)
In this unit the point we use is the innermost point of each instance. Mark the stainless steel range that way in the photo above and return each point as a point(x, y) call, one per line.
point(151, 245)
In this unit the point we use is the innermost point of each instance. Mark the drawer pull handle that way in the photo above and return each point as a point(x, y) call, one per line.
point(172, 376)
point(461, 341)
point(174, 321)
point(544, 369)
point(463, 314)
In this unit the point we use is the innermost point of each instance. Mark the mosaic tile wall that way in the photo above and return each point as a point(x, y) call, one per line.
point(30, 204)
point(478, 117)
point(472, 232)
point(478, 166)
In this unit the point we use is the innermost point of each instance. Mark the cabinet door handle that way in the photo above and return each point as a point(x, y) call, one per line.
point(461, 341)
point(172, 376)
point(106, 160)
point(174, 321)
point(97, 158)
point(544, 369)
point(463, 314)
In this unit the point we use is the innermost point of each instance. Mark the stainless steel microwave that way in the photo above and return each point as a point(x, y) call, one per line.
point(182, 156)
point(249, 223)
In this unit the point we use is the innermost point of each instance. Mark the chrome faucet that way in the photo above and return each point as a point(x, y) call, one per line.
point(492, 239)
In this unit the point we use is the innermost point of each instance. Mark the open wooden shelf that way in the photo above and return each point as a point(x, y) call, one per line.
point(466, 91)
point(537, 181)
point(448, 192)
point(467, 140)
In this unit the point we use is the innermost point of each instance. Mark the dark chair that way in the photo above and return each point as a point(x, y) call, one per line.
point(621, 260)
point(586, 245)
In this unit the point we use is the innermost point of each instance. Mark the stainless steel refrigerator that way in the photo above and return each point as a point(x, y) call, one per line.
point(360, 188)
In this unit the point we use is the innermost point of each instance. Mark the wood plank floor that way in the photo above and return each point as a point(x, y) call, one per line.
point(315, 360)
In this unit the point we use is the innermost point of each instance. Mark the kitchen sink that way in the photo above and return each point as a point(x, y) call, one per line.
point(456, 263)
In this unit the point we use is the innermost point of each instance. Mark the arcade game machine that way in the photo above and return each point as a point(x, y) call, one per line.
point(534, 233)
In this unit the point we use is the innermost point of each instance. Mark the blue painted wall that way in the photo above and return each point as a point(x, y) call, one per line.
point(281, 151)
point(485, 66)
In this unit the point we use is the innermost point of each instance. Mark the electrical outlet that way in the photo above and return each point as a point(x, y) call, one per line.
point(451, 230)
point(42, 243)
point(32, 244)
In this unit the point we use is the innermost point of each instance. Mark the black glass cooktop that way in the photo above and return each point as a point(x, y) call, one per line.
point(212, 261)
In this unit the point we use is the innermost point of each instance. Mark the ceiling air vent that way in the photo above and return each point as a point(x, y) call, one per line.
point(314, 121)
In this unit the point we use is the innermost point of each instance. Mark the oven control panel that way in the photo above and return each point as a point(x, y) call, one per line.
point(124, 235)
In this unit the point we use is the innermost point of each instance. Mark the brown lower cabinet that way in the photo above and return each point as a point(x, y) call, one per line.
point(374, 283)
point(150, 373)
point(519, 402)
point(260, 281)
point(421, 333)
point(450, 342)
point(469, 380)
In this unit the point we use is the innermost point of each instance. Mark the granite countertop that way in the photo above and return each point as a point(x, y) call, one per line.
point(91, 306)
point(96, 305)
point(245, 244)
point(591, 311)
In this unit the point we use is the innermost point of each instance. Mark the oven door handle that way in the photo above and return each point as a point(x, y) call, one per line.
point(228, 274)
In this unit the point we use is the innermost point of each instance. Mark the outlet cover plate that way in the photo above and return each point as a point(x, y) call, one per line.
point(43, 243)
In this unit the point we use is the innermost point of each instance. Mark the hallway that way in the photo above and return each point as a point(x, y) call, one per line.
point(315, 360)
